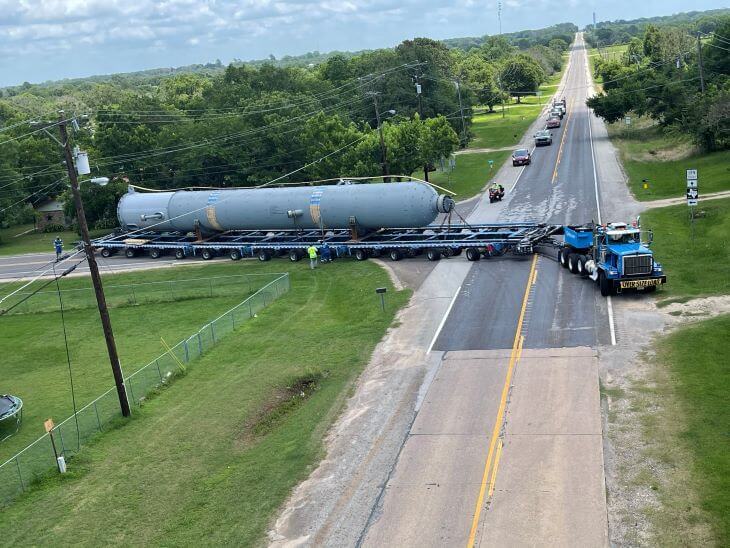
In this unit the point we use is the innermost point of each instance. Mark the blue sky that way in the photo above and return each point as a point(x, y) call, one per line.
point(53, 39)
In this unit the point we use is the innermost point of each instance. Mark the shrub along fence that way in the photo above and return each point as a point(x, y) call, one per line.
point(19, 472)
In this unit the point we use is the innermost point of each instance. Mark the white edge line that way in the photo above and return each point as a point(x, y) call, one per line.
point(609, 304)
point(443, 321)
point(519, 175)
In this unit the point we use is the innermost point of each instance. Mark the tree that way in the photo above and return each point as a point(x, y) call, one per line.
point(490, 95)
point(558, 44)
point(521, 75)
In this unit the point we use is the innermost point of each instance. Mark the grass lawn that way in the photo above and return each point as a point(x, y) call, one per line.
point(692, 269)
point(471, 173)
point(35, 242)
point(700, 375)
point(210, 459)
point(34, 363)
point(646, 153)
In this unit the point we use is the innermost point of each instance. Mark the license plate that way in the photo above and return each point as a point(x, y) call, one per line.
point(636, 284)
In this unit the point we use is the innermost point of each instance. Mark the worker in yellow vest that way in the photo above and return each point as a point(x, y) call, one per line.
point(312, 251)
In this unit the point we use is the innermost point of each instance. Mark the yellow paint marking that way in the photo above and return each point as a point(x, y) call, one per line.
point(534, 278)
point(514, 356)
point(562, 141)
point(494, 470)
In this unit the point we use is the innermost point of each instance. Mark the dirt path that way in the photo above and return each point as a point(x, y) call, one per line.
point(477, 150)
point(678, 201)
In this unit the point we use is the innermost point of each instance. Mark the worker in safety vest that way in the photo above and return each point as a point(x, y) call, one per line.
point(58, 246)
point(312, 251)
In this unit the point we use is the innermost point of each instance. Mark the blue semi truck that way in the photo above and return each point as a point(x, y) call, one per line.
point(615, 256)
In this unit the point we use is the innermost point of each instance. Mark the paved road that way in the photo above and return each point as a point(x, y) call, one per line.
point(506, 447)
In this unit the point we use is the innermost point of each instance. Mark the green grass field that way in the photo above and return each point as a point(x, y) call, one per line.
point(647, 153)
point(700, 376)
point(210, 459)
point(34, 365)
point(693, 269)
point(12, 243)
point(471, 173)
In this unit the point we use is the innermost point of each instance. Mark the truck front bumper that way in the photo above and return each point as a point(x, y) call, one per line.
point(640, 283)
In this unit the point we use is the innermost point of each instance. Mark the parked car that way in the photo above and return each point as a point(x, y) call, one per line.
point(521, 157)
point(543, 138)
point(553, 122)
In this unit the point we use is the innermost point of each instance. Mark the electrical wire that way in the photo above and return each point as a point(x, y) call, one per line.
point(68, 357)
point(33, 132)
point(31, 195)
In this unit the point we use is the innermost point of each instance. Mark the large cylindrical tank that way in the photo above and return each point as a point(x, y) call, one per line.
point(366, 206)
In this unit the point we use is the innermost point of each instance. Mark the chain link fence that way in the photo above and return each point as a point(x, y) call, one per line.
point(20, 471)
point(133, 294)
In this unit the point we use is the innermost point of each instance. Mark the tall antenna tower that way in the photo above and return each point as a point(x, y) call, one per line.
point(499, 15)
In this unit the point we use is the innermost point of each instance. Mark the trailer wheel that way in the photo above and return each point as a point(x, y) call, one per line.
point(207, 254)
point(455, 251)
point(294, 255)
point(155, 253)
point(573, 263)
point(179, 254)
point(472, 254)
point(433, 254)
point(395, 254)
point(264, 255)
point(582, 260)
point(563, 258)
point(130, 252)
point(235, 255)
point(361, 254)
point(106, 252)
point(604, 284)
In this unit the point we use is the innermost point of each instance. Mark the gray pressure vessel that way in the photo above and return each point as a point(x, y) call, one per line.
point(365, 206)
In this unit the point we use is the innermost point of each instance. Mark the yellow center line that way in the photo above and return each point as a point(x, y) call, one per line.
point(562, 141)
point(494, 470)
point(516, 351)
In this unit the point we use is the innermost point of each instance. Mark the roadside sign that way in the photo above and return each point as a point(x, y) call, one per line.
point(627, 120)
point(693, 191)
point(48, 425)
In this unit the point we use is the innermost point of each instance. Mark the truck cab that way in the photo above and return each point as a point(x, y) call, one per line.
point(614, 255)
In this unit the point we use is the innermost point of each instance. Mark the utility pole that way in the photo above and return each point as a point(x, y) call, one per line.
point(420, 113)
point(106, 323)
point(383, 149)
point(461, 109)
point(499, 16)
point(699, 62)
point(501, 93)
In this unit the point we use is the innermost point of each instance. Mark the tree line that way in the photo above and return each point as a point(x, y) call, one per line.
point(247, 125)
point(659, 76)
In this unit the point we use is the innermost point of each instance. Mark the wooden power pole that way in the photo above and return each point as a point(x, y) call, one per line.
point(106, 323)
point(699, 63)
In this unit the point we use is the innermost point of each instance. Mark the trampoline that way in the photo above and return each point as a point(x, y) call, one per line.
point(11, 415)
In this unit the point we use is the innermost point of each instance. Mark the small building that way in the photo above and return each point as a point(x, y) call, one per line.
point(49, 212)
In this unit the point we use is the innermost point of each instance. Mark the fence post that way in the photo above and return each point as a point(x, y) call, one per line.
point(157, 363)
point(212, 331)
point(172, 291)
point(233, 319)
point(210, 283)
point(200, 345)
point(98, 420)
point(20, 475)
point(60, 435)
point(129, 385)
point(250, 311)
point(134, 296)
point(187, 351)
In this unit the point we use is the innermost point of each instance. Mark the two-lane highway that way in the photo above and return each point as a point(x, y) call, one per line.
point(506, 448)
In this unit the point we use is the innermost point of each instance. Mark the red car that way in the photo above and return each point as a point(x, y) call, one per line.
point(521, 157)
point(553, 123)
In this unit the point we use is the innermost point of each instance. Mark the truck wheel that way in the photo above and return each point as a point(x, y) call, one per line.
point(179, 254)
point(235, 255)
point(361, 254)
point(563, 258)
point(573, 263)
point(581, 265)
point(155, 253)
point(264, 255)
point(395, 255)
point(433, 255)
point(130, 252)
point(456, 251)
point(294, 255)
point(106, 252)
point(207, 254)
point(472, 254)
point(604, 284)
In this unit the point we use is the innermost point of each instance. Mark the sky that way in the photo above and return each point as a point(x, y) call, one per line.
point(54, 39)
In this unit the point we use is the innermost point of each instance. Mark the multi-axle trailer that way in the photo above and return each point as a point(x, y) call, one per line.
point(613, 255)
